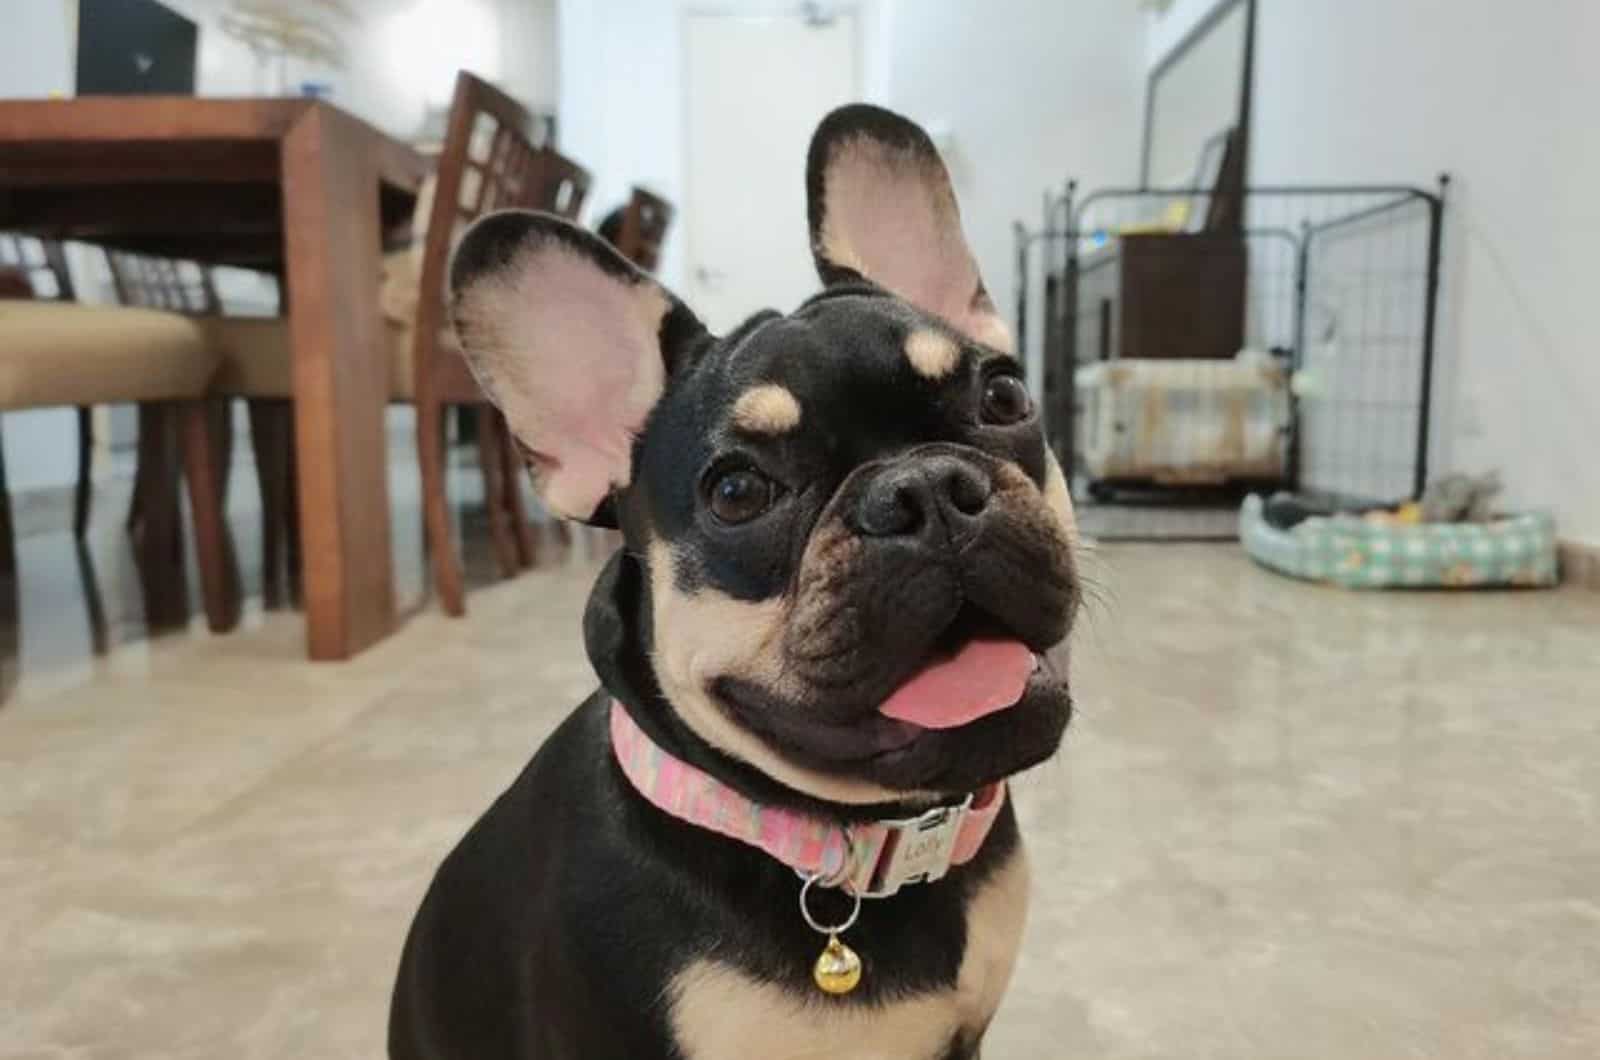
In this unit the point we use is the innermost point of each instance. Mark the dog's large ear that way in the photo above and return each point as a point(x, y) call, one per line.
point(882, 209)
point(572, 343)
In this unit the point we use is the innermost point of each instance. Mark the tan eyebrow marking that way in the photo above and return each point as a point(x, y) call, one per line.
point(766, 409)
point(934, 355)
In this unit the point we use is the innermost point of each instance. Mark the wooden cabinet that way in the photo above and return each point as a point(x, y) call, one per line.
point(1182, 295)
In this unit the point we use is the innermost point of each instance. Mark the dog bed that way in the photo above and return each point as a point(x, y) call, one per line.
point(1351, 552)
point(1184, 422)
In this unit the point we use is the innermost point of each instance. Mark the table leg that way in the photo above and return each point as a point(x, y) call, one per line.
point(341, 381)
point(205, 442)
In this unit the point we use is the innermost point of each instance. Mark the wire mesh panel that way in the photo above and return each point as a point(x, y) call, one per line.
point(1364, 368)
point(1194, 350)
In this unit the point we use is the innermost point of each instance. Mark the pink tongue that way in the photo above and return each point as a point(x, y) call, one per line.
point(983, 677)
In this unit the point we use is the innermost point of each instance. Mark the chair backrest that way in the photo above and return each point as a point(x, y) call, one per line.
point(34, 268)
point(489, 162)
point(563, 187)
point(645, 221)
point(162, 283)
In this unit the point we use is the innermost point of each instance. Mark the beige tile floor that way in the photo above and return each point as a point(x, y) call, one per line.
point(1290, 822)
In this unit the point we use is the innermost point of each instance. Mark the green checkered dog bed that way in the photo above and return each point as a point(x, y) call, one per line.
point(1349, 551)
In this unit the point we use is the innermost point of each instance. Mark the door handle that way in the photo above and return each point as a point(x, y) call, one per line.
point(709, 278)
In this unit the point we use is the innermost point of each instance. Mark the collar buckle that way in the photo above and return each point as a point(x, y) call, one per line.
point(914, 850)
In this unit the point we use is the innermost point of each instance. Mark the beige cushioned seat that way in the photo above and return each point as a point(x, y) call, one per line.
point(257, 360)
point(255, 355)
point(54, 353)
point(398, 296)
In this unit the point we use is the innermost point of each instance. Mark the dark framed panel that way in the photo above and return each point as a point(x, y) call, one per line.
point(134, 47)
point(1228, 16)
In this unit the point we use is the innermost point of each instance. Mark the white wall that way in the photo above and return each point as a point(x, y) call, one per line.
point(529, 60)
point(1029, 91)
point(403, 56)
point(35, 61)
point(620, 110)
point(621, 99)
point(1165, 30)
point(1502, 96)
point(1032, 92)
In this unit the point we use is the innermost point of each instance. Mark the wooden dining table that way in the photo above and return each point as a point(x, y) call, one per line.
point(295, 187)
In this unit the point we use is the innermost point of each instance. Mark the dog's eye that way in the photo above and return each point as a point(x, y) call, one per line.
point(741, 495)
point(1005, 401)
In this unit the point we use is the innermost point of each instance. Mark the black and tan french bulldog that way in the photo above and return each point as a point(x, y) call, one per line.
point(836, 626)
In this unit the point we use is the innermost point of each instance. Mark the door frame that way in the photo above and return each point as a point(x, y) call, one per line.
point(871, 18)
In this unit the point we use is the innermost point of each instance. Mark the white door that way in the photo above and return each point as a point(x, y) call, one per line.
point(757, 86)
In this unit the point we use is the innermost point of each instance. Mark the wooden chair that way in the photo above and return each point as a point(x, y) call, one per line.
point(55, 352)
point(488, 163)
point(38, 269)
point(645, 221)
point(254, 363)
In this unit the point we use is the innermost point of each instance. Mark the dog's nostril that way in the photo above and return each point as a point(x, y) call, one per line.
point(908, 507)
point(967, 489)
point(892, 507)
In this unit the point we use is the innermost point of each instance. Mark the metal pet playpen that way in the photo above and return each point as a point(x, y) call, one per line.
point(1197, 346)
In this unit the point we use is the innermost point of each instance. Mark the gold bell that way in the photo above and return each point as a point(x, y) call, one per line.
point(838, 969)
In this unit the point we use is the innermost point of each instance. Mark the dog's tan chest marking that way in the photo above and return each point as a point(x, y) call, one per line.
point(767, 409)
point(720, 1014)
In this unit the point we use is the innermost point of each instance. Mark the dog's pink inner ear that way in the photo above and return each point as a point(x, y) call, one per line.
point(570, 353)
point(890, 214)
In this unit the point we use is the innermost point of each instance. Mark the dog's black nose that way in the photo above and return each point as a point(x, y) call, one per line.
point(923, 496)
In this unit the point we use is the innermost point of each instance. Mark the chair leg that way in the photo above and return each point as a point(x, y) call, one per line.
point(447, 575)
point(271, 429)
point(94, 602)
point(491, 462)
point(156, 528)
point(8, 537)
point(10, 591)
point(83, 495)
point(132, 519)
point(521, 527)
point(204, 435)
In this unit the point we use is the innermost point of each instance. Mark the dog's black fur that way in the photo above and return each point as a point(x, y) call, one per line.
point(901, 515)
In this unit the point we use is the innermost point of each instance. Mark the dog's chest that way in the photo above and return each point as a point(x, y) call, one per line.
point(718, 1013)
